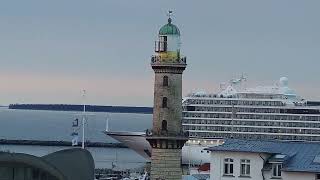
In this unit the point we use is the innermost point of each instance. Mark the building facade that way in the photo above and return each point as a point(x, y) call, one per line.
point(265, 160)
point(166, 137)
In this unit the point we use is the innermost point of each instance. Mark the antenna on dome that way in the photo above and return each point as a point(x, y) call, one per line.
point(169, 15)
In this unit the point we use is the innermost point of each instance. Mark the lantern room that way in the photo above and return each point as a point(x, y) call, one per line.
point(167, 46)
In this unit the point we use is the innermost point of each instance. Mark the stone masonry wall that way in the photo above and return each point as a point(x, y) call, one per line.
point(173, 113)
point(166, 164)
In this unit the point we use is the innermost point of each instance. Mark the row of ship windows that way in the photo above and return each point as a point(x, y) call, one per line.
point(251, 110)
point(253, 136)
point(253, 123)
point(235, 102)
point(252, 116)
point(250, 129)
point(261, 96)
point(241, 95)
point(235, 110)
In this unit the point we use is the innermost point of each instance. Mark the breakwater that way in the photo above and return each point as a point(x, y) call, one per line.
point(59, 143)
point(89, 108)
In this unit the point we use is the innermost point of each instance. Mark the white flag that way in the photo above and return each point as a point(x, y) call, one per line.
point(74, 139)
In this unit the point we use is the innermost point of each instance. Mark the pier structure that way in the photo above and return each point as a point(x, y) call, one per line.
point(166, 137)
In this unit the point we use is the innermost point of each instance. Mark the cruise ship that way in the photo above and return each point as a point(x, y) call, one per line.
point(264, 112)
point(269, 112)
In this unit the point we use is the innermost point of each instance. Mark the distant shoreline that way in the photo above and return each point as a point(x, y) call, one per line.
point(89, 108)
point(59, 143)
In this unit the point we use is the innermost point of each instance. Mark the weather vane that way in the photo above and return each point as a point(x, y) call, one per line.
point(170, 13)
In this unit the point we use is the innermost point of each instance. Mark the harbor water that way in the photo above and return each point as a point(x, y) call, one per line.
point(57, 126)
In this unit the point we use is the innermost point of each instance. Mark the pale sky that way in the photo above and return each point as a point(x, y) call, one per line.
point(50, 50)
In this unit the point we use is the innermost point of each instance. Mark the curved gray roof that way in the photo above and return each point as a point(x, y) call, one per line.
point(32, 161)
point(75, 163)
point(68, 164)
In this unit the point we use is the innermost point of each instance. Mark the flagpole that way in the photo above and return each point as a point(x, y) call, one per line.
point(107, 124)
point(83, 117)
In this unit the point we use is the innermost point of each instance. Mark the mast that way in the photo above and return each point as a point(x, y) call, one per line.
point(83, 117)
point(107, 124)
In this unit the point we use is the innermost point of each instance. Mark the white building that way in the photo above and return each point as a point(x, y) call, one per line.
point(265, 160)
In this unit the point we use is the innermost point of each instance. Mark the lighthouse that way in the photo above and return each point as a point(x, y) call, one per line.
point(166, 137)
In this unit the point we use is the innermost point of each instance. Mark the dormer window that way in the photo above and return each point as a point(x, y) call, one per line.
point(276, 170)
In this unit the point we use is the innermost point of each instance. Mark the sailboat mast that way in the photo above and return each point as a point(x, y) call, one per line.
point(83, 117)
point(107, 124)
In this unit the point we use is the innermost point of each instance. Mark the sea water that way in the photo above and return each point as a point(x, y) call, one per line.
point(57, 125)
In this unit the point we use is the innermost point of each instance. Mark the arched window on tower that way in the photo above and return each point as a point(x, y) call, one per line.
point(164, 102)
point(164, 126)
point(165, 81)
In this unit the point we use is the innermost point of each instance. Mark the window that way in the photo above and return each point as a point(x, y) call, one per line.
point(164, 102)
point(317, 176)
point(276, 170)
point(163, 44)
point(244, 167)
point(165, 81)
point(164, 126)
point(228, 166)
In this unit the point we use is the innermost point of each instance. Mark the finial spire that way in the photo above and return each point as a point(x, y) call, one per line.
point(169, 15)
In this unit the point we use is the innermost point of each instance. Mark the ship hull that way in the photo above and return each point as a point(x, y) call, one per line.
point(193, 152)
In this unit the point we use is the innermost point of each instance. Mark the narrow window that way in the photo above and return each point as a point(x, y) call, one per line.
point(163, 44)
point(164, 126)
point(164, 102)
point(244, 167)
point(276, 170)
point(228, 167)
point(165, 81)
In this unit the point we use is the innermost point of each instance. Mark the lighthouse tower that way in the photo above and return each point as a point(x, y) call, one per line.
point(166, 137)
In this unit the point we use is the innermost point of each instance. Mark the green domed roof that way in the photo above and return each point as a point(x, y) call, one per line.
point(169, 29)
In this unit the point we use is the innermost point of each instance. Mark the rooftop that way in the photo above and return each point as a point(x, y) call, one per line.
point(169, 29)
point(298, 156)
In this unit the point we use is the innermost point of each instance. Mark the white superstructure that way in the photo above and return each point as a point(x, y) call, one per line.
point(273, 112)
point(193, 152)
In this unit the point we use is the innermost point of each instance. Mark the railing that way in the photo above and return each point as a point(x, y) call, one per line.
point(159, 60)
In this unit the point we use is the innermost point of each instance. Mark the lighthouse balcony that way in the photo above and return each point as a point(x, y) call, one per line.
point(163, 134)
point(158, 60)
